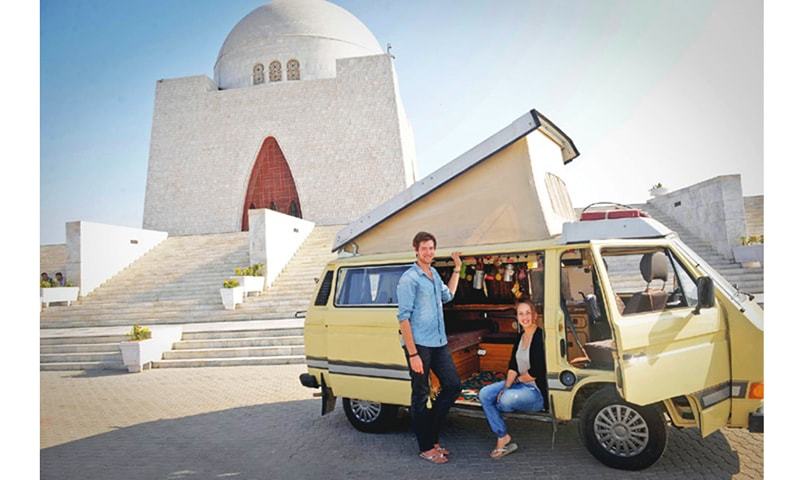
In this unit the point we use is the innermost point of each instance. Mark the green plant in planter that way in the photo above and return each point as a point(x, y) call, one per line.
point(230, 283)
point(139, 333)
point(256, 270)
point(52, 284)
point(752, 240)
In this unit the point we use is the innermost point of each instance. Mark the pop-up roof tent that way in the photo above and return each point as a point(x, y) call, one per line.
point(508, 188)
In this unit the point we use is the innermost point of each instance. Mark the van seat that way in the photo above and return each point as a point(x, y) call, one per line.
point(601, 353)
point(653, 266)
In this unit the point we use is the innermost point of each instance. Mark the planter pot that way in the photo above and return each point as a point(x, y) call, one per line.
point(658, 191)
point(231, 296)
point(749, 255)
point(136, 354)
point(133, 354)
point(58, 294)
point(251, 284)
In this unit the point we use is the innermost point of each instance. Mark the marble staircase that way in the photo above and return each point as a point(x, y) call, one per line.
point(750, 280)
point(178, 282)
point(81, 352)
point(236, 347)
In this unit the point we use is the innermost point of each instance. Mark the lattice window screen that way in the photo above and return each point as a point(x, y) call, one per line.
point(275, 74)
point(258, 74)
point(293, 70)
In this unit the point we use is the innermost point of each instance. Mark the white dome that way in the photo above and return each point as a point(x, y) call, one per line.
point(313, 32)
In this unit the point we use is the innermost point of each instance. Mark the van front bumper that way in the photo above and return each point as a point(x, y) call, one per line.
point(755, 421)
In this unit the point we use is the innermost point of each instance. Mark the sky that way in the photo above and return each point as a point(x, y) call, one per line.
point(649, 91)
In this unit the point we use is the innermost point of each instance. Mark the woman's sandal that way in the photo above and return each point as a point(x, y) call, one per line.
point(437, 458)
point(510, 447)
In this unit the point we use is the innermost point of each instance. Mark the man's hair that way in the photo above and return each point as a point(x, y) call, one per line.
point(58, 274)
point(423, 237)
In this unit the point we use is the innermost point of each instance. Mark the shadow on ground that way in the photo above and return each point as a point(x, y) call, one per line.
point(291, 440)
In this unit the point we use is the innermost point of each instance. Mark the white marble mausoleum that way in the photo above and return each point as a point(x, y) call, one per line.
point(303, 116)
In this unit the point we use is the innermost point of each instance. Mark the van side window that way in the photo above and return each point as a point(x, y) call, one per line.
point(649, 280)
point(369, 286)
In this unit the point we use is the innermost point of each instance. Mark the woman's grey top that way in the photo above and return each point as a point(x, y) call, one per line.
point(523, 356)
point(538, 364)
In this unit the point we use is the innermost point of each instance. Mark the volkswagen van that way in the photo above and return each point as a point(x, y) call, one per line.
point(639, 333)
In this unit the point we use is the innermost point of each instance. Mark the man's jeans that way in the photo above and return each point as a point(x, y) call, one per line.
point(521, 397)
point(428, 422)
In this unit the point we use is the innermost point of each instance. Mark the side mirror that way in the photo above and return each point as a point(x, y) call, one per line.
point(705, 293)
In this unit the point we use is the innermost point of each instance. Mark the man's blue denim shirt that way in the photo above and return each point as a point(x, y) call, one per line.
point(419, 300)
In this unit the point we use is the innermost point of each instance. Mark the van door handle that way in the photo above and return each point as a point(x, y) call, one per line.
point(563, 348)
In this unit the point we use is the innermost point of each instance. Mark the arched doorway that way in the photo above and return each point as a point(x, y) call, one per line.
point(271, 183)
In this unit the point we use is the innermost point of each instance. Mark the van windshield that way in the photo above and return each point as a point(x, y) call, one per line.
point(719, 280)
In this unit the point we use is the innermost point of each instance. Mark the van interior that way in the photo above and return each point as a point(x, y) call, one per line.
point(481, 320)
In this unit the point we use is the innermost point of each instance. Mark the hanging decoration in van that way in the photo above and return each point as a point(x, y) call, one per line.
point(477, 282)
point(508, 274)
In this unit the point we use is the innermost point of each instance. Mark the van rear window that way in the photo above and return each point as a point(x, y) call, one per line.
point(369, 286)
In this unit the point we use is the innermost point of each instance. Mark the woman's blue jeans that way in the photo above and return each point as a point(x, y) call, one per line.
point(521, 397)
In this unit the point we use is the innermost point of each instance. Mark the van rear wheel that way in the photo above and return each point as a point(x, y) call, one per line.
point(620, 434)
point(370, 417)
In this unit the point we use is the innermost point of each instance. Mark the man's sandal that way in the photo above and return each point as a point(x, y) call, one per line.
point(436, 458)
point(502, 452)
point(441, 450)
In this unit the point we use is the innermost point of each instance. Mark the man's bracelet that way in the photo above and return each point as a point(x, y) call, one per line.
point(414, 355)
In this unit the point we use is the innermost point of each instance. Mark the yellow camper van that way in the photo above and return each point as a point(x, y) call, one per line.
point(640, 332)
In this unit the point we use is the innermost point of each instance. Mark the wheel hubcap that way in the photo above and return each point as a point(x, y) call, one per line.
point(621, 430)
point(364, 410)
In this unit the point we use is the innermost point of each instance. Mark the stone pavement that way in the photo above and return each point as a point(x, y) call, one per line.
point(259, 423)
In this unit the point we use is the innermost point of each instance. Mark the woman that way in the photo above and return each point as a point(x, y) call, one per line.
point(525, 386)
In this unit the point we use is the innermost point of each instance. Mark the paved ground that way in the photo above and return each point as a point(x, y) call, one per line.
point(258, 423)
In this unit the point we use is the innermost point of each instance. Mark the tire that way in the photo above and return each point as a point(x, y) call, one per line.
point(620, 434)
point(370, 417)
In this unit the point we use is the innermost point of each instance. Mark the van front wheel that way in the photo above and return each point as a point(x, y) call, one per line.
point(370, 417)
point(620, 434)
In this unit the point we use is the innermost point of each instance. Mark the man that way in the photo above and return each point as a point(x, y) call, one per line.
point(60, 281)
point(45, 279)
point(420, 294)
